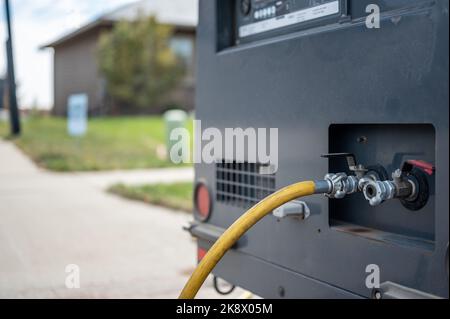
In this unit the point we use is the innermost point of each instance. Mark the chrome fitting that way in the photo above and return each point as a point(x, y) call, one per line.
point(341, 185)
point(377, 192)
point(365, 180)
point(405, 188)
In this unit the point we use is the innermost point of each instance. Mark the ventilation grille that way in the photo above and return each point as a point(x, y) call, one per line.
point(242, 184)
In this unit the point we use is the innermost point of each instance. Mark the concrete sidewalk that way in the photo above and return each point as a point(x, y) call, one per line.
point(124, 249)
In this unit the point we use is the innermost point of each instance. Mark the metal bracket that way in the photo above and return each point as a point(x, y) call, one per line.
point(390, 290)
point(295, 209)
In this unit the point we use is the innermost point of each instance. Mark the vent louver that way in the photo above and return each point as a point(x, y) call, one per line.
point(242, 184)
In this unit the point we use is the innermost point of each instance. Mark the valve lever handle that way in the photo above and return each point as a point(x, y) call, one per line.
point(350, 157)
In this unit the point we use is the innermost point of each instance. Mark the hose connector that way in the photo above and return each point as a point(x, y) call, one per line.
point(377, 192)
point(341, 185)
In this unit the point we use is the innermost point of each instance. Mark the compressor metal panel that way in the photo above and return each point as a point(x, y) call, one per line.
point(325, 83)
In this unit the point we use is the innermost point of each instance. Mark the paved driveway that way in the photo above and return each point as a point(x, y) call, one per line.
point(123, 249)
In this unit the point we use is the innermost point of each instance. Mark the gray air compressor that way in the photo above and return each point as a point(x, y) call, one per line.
point(358, 90)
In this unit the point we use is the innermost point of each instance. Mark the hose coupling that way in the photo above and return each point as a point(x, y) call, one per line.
point(341, 185)
point(377, 192)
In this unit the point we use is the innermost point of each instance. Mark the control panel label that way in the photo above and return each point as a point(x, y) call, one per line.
point(309, 14)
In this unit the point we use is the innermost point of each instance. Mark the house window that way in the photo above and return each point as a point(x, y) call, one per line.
point(183, 47)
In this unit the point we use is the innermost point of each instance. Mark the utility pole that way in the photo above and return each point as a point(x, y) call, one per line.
point(13, 108)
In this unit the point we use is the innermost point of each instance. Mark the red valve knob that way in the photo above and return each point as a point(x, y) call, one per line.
point(426, 167)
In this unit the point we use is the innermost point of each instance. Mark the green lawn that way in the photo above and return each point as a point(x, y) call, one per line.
point(3, 129)
point(176, 196)
point(111, 143)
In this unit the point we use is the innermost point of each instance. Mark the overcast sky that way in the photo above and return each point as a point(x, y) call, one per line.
point(37, 22)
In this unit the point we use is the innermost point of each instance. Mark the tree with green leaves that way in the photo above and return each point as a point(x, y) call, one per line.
point(138, 64)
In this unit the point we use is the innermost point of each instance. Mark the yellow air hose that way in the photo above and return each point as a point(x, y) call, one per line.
point(239, 228)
